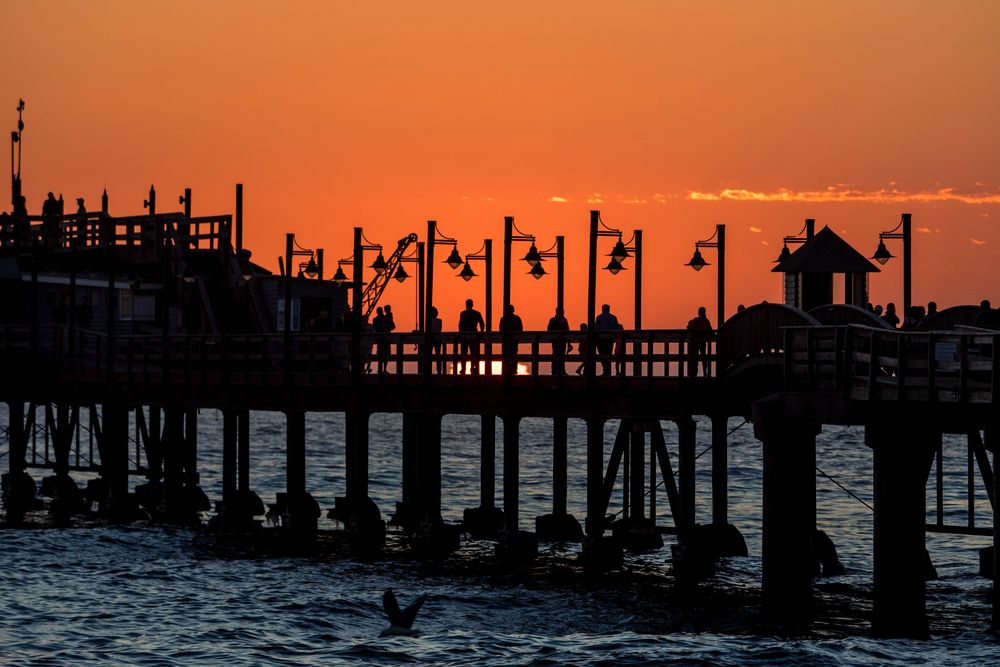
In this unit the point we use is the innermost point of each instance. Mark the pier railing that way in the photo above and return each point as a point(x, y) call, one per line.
point(313, 359)
point(878, 365)
point(147, 233)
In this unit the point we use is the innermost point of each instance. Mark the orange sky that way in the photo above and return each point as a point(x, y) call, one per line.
point(667, 116)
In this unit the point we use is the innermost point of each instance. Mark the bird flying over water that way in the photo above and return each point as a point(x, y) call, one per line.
point(400, 622)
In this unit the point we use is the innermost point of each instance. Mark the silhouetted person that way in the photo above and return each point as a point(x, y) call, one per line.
point(510, 323)
point(913, 317)
point(435, 325)
point(740, 308)
point(932, 308)
point(605, 323)
point(985, 317)
point(878, 311)
point(22, 228)
point(701, 332)
point(559, 324)
point(890, 317)
point(470, 322)
point(384, 324)
point(50, 221)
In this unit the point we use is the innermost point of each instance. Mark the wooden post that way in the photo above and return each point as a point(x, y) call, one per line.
point(789, 513)
point(239, 218)
point(295, 455)
point(720, 470)
point(430, 467)
point(511, 471)
point(899, 603)
point(229, 454)
point(243, 450)
point(407, 510)
point(687, 441)
point(356, 422)
point(595, 477)
point(560, 465)
point(488, 463)
point(191, 446)
point(637, 475)
point(992, 437)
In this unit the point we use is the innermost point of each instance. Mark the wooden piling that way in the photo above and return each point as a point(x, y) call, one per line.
point(789, 464)
point(243, 450)
point(488, 462)
point(230, 429)
point(637, 475)
point(595, 478)
point(560, 465)
point(899, 603)
point(511, 471)
point(720, 470)
point(687, 442)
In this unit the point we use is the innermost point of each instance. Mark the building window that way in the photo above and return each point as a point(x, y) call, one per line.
point(125, 305)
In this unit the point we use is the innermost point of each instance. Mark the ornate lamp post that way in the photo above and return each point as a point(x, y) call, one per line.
point(882, 255)
point(454, 260)
point(698, 263)
point(808, 229)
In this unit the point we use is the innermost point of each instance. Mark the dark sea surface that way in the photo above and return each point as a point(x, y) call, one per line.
point(159, 595)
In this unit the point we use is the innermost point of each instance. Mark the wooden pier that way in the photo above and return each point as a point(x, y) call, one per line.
point(774, 364)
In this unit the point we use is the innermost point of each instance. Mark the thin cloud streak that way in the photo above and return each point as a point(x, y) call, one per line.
point(836, 195)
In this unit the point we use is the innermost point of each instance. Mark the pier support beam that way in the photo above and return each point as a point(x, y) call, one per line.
point(408, 509)
point(595, 478)
point(720, 470)
point(511, 471)
point(113, 445)
point(239, 503)
point(900, 448)
point(18, 486)
point(486, 521)
point(687, 442)
point(559, 526)
point(364, 520)
point(300, 508)
point(992, 442)
point(789, 513)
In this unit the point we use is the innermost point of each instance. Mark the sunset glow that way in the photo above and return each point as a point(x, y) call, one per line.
point(671, 117)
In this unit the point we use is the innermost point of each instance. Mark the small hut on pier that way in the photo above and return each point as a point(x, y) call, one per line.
point(809, 272)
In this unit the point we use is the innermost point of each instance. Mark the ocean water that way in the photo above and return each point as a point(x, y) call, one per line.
point(161, 595)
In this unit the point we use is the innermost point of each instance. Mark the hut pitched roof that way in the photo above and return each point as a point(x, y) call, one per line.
point(826, 253)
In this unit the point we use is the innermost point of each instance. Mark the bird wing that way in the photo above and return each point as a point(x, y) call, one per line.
point(410, 613)
point(391, 607)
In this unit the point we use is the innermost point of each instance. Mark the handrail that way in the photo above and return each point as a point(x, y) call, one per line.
point(870, 364)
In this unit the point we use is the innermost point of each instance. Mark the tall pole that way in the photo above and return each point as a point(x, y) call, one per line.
point(420, 286)
point(592, 272)
point(187, 202)
point(560, 272)
point(239, 218)
point(508, 232)
point(429, 302)
point(638, 280)
point(104, 201)
point(289, 243)
point(356, 279)
point(319, 264)
point(721, 231)
point(489, 282)
point(907, 264)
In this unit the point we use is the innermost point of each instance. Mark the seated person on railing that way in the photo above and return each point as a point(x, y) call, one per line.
point(701, 331)
point(510, 323)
